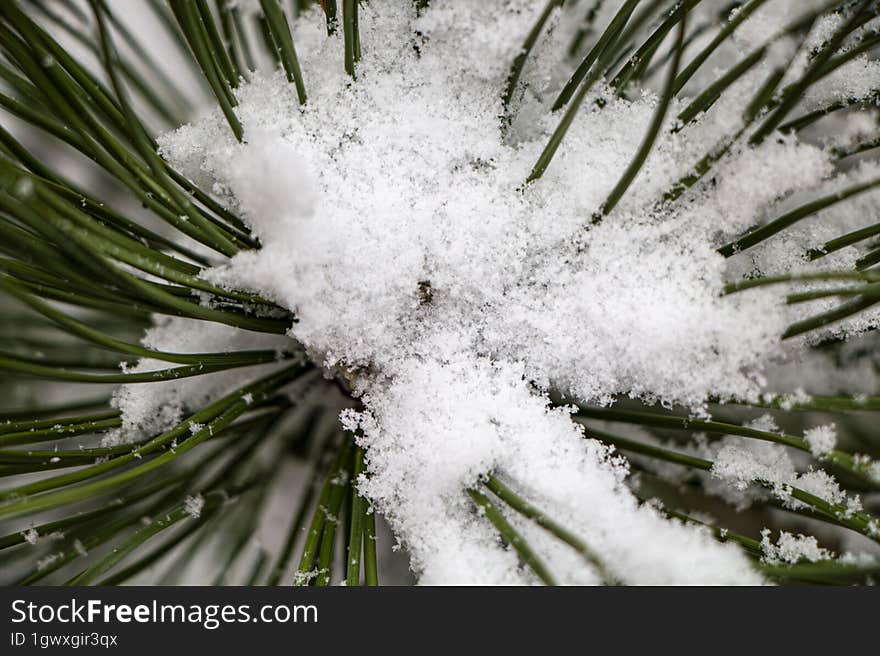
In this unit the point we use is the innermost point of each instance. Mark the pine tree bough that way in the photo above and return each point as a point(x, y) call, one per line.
point(471, 307)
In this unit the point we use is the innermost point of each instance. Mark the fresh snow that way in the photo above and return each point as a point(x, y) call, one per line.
point(395, 225)
point(193, 505)
point(790, 548)
point(821, 439)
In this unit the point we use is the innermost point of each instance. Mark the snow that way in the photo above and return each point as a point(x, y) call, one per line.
point(742, 463)
point(155, 407)
point(349, 249)
point(745, 471)
point(821, 440)
point(868, 465)
point(194, 504)
point(432, 432)
point(396, 227)
point(43, 563)
point(765, 422)
point(790, 548)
